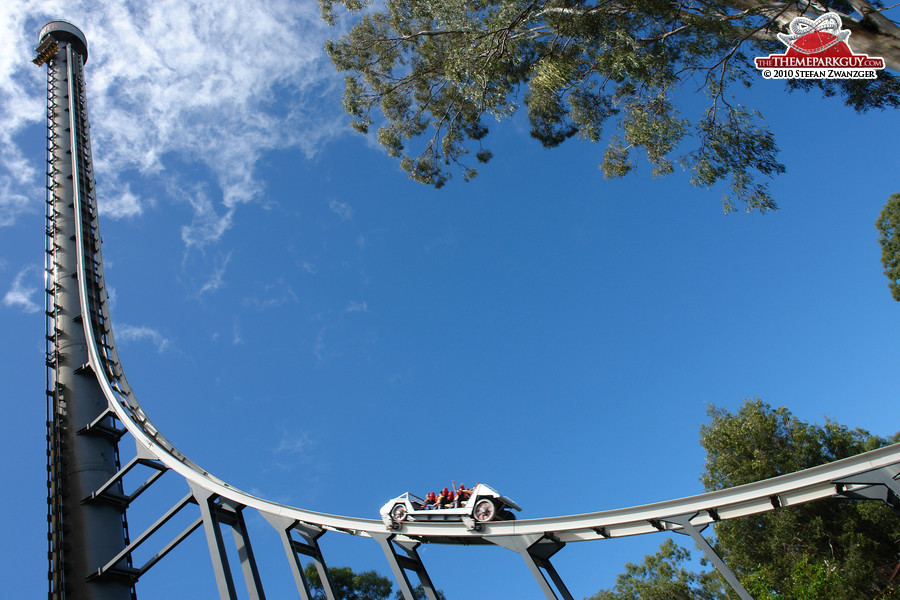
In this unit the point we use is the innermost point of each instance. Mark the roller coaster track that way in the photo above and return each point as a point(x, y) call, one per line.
point(873, 475)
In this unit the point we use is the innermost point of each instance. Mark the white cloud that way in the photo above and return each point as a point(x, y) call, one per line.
point(341, 209)
point(236, 338)
point(207, 84)
point(130, 333)
point(13, 202)
point(354, 306)
point(217, 279)
point(20, 294)
point(294, 443)
point(207, 226)
point(111, 292)
point(272, 295)
point(123, 204)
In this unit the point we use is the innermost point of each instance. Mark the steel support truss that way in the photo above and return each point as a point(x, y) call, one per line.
point(536, 550)
point(400, 564)
point(307, 545)
point(688, 528)
point(215, 512)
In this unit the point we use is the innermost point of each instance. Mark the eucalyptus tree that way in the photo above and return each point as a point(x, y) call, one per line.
point(350, 585)
point(888, 225)
point(431, 75)
point(836, 549)
point(664, 576)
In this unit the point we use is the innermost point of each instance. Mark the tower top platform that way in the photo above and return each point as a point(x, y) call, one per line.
point(63, 31)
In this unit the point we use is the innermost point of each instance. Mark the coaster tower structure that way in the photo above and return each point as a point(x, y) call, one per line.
point(84, 527)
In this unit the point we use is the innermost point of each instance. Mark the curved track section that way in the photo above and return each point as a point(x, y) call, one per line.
point(834, 479)
point(786, 490)
point(870, 475)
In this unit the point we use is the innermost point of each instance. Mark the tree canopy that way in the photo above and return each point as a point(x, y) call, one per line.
point(432, 74)
point(888, 225)
point(368, 585)
point(847, 546)
point(835, 549)
point(662, 576)
point(348, 585)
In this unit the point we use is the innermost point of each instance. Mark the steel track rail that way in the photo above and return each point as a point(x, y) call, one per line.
point(791, 489)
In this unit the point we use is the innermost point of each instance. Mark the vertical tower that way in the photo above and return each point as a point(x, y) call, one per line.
point(86, 528)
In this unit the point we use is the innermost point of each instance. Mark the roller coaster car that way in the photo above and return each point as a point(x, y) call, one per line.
point(484, 505)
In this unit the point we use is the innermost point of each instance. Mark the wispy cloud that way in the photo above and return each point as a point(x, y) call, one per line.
point(211, 85)
point(130, 333)
point(236, 337)
point(208, 225)
point(217, 277)
point(354, 306)
point(341, 209)
point(319, 345)
point(21, 294)
point(272, 295)
point(294, 443)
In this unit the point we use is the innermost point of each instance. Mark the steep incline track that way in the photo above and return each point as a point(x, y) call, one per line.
point(795, 488)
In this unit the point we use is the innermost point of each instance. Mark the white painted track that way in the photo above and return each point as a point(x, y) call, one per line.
point(786, 490)
point(791, 489)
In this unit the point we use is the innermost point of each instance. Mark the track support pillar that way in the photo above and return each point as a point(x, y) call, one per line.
point(536, 550)
point(214, 514)
point(401, 564)
point(688, 528)
point(308, 545)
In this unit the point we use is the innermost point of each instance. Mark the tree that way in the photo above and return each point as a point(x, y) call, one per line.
point(835, 549)
point(662, 577)
point(848, 547)
point(368, 585)
point(348, 585)
point(419, 594)
point(888, 225)
point(438, 71)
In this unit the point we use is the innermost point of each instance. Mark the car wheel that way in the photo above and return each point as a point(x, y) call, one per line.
point(508, 515)
point(485, 510)
point(398, 513)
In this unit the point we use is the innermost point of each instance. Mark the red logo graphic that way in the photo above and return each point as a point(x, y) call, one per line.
point(818, 50)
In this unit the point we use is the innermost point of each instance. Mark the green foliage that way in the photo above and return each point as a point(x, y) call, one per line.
point(368, 585)
point(809, 580)
point(888, 225)
point(662, 576)
point(834, 549)
point(419, 594)
point(793, 553)
point(431, 75)
point(348, 585)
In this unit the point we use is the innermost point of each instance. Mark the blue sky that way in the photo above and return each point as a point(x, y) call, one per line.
point(306, 323)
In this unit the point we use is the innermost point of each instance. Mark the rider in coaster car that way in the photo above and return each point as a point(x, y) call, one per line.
point(462, 495)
